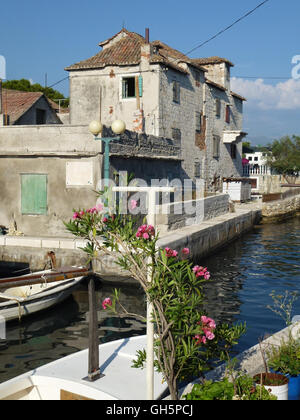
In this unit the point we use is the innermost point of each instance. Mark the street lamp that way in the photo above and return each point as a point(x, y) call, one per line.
point(118, 127)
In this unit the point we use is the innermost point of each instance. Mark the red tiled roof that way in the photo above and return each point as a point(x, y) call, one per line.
point(236, 95)
point(15, 103)
point(127, 51)
point(212, 60)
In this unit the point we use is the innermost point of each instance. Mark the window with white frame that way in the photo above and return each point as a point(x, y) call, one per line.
point(128, 87)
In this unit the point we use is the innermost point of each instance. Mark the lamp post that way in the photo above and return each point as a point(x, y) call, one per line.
point(118, 127)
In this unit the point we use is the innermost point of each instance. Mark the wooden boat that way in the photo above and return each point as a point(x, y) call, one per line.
point(25, 295)
point(66, 379)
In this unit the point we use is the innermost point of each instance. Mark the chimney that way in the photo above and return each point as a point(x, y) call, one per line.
point(147, 36)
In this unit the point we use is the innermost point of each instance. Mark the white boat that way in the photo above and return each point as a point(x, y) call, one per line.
point(64, 379)
point(19, 301)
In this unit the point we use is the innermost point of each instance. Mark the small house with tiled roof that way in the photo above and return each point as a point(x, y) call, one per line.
point(26, 108)
point(159, 91)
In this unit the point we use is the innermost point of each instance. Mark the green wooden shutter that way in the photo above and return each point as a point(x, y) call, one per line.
point(141, 86)
point(34, 194)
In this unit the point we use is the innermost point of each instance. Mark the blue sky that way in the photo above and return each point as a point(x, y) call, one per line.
point(39, 37)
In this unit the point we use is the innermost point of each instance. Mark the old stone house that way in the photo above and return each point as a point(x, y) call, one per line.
point(159, 91)
point(26, 108)
point(182, 121)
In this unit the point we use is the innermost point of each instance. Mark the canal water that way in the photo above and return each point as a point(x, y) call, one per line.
point(243, 276)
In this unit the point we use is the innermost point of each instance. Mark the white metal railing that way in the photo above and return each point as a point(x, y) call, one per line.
point(256, 170)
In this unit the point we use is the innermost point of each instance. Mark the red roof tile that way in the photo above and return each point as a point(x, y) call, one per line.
point(15, 103)
point(124, 48)
point(212, 60)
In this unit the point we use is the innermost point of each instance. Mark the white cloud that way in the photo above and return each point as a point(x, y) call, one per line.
point(284, 95)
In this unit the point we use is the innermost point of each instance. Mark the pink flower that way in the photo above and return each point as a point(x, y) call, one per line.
point(201, 272)
point(207, 275)
point(105, 220)
point(171, 253)
point(145, 232)
point(209, 335)
point(76, 216)
point(107, 302)
point(133, 204)
point(185, 251)
point(208, 322)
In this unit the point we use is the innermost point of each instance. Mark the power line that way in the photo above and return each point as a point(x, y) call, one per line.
point(228, 27)
point(210, 39)
point(56, 83)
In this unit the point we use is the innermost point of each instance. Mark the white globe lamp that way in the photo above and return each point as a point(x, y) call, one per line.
point(95, 127)
point(118, 127)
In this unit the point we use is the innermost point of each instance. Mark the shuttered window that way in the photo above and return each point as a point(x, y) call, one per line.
point(216, 146)
point(34, 194)
point(176, 92)
point(227, 114)
point(198, 121)
point(218, 107)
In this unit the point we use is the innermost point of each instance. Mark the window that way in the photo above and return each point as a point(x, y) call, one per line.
point(197, 169)
point(218, 107)
point(198, 119)
point(233, 151)
point(40, 116)
point(256, 159)
point(250, 158)
point(128, 87)
point(176, 135)
point(216, 146)
point(197, 77)
point(176, 92)
point(227, 114)
point(34, 194)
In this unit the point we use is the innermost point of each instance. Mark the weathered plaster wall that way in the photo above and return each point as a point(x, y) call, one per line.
point(271, 184)
point(97, 94)
point(61, 199)
point(50, 149)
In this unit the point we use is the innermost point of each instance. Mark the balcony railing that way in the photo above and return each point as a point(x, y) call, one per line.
point(249, 170)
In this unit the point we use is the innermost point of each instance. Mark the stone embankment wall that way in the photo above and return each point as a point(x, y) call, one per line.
point(202, 239)
point(175, 216)
point(281, 209)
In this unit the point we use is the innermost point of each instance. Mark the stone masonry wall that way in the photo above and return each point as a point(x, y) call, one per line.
point(281, 209)
point(191, 212)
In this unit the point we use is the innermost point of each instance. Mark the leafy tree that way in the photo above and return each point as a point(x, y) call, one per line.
point(284, 157)
point(25, 86)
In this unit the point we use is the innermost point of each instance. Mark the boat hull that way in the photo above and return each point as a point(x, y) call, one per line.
point(12, 310)
point(66, 378)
